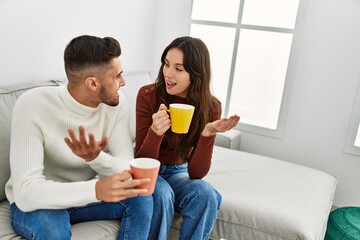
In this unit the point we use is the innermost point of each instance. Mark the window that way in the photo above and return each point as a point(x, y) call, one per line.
point(352, 144)
point(250, 44)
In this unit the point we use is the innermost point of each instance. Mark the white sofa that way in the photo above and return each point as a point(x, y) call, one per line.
point(263, 198)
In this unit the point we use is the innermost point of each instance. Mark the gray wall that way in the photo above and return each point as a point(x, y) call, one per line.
point(326, 76)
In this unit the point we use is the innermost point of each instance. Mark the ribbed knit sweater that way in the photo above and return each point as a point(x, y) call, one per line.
point(45, 173)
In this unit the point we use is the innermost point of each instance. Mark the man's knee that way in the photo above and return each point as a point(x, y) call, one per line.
point(41, 224)
point(142, 206)
point(58, 232)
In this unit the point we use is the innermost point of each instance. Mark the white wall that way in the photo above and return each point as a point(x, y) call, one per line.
point(34, 33)
point(172, 21)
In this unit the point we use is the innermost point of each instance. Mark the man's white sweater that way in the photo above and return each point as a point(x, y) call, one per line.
point(45, 173)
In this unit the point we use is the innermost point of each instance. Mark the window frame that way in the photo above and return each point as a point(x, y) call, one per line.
point(291, 67)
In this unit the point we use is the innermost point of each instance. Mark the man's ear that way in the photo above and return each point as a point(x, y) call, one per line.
point(92, 83)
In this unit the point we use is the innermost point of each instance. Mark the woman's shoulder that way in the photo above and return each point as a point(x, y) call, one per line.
point(147, 89)
point(146, 94)
point(216, 111)
point(215, 101)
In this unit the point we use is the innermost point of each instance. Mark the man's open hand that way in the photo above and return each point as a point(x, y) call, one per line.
point(88, 150)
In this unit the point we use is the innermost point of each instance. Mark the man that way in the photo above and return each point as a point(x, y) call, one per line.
point(56, 180)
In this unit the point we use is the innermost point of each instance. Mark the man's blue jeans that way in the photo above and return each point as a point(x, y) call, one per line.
point(196, 200)
point(134, 214)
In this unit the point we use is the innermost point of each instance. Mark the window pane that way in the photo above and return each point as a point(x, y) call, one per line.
point(352, 144)
point(259, 78)
point(220, 42)
point(357, 139)
point(215, 10)
point(274, 13)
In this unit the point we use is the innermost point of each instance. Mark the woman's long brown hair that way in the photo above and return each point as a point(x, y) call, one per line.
point(197, 64)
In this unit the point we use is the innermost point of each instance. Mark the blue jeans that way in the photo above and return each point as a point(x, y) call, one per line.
point(196, 200)
point(134, 213)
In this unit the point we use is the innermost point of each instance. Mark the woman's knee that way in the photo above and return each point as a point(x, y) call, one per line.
point(163, 192)
point(205, 193)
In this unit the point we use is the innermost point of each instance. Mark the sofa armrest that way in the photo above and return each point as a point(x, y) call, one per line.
point(230, 139)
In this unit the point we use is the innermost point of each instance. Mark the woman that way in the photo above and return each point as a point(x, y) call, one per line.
point(184, 77)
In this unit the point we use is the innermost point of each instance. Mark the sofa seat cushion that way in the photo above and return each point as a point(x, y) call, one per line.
point(95, 230)
point(6, 231)
point(266, 198)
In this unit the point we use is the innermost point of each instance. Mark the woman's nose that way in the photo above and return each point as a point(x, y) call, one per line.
point(168, 72)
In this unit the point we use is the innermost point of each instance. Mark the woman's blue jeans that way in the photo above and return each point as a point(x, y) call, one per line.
point(134, 214)
point(196, 200)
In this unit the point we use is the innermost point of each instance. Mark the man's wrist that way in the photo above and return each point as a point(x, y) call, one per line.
point(97, 190)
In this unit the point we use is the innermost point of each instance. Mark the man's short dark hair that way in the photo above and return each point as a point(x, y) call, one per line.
point(89, 51)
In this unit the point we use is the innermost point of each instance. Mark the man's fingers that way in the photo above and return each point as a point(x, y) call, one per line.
point(129, 193)
point(118, 187)
point(87, 147)
point(72, 135)
point(128, 183)
point(122, 176)
point(69, 143)
point(82, 136)
point(103, 143)
point(136, 182)
point(92, 141)
point(74, 140)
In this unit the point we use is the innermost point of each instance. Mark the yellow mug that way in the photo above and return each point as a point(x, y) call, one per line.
point(180, 117)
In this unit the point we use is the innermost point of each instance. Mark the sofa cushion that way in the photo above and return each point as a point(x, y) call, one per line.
point(6, 231)
point(8, 96)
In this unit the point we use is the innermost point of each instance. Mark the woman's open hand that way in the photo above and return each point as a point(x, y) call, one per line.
point(221, 125)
